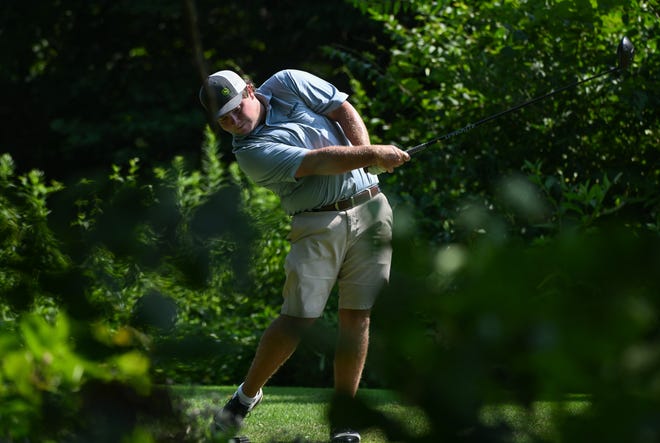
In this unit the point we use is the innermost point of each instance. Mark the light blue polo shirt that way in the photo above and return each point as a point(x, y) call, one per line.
point(295, 121)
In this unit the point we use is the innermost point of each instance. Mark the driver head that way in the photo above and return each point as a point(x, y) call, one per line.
point(625, 53)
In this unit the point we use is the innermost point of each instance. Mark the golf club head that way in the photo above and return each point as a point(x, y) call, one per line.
point(625, 53)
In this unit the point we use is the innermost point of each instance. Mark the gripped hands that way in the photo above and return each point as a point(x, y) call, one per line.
point(388, 157)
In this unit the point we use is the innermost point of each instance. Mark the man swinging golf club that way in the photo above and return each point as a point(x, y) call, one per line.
point(298, 136)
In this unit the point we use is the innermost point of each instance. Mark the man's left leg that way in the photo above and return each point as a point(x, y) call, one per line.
point(351, 350)
point(350, 356)
point(364, 271)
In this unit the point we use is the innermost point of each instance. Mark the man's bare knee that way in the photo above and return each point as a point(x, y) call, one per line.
point(354, 319)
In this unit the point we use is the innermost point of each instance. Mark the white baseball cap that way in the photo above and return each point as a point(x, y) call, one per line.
point(227, 87)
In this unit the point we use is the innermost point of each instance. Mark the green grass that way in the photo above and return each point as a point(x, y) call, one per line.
point(287, 414)
point(290, 413)
point(536, 422)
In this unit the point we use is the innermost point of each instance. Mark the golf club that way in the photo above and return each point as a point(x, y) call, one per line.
point(625, 53)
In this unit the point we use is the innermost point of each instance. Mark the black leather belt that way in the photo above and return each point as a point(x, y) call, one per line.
point(351, 202)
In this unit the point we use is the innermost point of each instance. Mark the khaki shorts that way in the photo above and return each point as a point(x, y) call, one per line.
point(351, 248)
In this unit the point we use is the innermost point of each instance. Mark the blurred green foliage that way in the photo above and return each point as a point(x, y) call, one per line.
point(129, 280)
point(464, 328)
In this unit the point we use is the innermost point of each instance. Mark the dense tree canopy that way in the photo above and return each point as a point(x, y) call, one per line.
point(86, 83)
point(452, 64)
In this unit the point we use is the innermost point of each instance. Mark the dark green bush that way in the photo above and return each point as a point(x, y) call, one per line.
point(128, 280)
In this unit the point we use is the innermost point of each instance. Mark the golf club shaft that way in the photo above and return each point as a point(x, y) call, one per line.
point(471, 126)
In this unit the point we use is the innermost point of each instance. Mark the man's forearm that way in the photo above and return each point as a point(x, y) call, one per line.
point(332, 160)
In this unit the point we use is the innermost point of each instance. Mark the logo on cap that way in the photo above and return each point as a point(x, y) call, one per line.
point(225, 91)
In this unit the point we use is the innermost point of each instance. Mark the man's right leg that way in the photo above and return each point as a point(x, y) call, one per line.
point(277, 344)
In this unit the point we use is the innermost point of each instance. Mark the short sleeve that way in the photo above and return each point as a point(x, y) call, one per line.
point(269, 163)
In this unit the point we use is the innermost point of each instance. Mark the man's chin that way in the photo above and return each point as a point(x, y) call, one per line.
point(242, 130)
